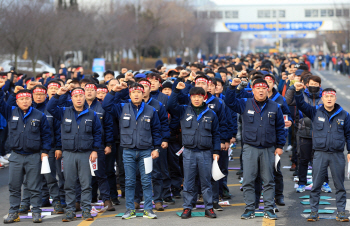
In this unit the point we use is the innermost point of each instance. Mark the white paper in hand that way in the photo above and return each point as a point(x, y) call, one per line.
point(148, 164)
point(277, 159)
point(93, 167)
point(45, 166)
point(215, 171)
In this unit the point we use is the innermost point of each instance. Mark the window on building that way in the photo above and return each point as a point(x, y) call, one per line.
point(323, 12)
point(203, 14)
point(260, 13)
point(231, 14)
point(315, 13)
point(346, 12)
point(338, 12)
point(330, 12)
point(307, 13)
point(282, 13)
point(267, 13)
point(216, 15)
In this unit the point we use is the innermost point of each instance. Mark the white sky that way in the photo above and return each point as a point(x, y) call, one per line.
point(278, 2)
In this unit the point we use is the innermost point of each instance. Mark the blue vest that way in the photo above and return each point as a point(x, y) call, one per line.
point(154, 103)
point(259, 129)
point(77, 137)
point(328, 133)
point(22, 135)
point(163, 98)
point(278, 98)
point(135, 131)
point(196, 130)
point(50, 119)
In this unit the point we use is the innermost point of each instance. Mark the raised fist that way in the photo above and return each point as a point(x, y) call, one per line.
point(298, 86)
point(236, 82)
point(62, 90)
point(180, 85)
point(18, 88)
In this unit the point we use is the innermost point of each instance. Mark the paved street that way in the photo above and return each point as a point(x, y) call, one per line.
point(291, 214)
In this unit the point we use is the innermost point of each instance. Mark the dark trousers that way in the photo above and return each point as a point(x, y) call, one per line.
point(3, 137)
point(101, 179)
point(121, 171)
point(110, 172)
point(61, 180)
point(174, 166)
point(305, 154)
point(336, 163)
point(223, 164)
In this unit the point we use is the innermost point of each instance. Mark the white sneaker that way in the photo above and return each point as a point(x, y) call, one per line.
point(7, 156)
point(3, 161)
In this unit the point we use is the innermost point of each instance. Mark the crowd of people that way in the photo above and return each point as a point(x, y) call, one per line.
point(183, 119)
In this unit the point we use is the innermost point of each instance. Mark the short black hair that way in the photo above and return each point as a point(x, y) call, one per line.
point(259, 80)
point(329, 89)
point(120, 76)
point(194, 65)
point(210, 72)
point(135, 84)
point(257, 77)
point(197, 91)
point(213, 80)
point(108, 72)
point(199, 73)
point(101, 86)
point(220, 80)
point(85, 80)
point(151, 75)
point(24, 91)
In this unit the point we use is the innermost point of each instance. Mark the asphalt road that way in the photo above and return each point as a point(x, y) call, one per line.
point(291, 214)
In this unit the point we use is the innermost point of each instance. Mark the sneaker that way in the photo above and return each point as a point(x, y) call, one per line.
point(129, 214)
point(293, 168)
point(1, 166)
point(296, 173)
point(159, 206)
point(57, 207)
point(239, 172)
point(270, 214)
point(63, 203)
point(226, 195)
point(7, 156)
point(46, 203)
point(69, 216)
point(217, 207)
point(3, 161)
point(37, 218)
point(313, 216)
point(11, 218)
point(149, 214)
point(194, 206)
point(301, 188)
point(109, 204)
point(325, 188)
point(342, 217)
point(186, 214)
point(116, 201)
point(210, 213)
point(87, 215)
point(248, 214)
point(176, 194)
point(23, 209)
point(169, 201)
point(289, 148)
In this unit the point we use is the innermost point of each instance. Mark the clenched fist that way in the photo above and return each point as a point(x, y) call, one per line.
point(236, 82)
point(180, 85)
point(298, 86)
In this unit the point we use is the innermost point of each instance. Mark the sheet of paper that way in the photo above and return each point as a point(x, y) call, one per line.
point(148, 164)
point(277, 159)
point(93, 167)
point(45, 166)
point(180, 151)
point(215, 171)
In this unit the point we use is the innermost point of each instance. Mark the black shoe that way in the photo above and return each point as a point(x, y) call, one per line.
point(123, 195)
point(210, 213)
point(186, 214)
point(36, 217)
point(176, 194)
point(116, 201)
point(69, 216)
point(275, 208)
point(194, 206)
point(94, 200)
point(169, 201)
point(217, 207)
point(239, 172)
point(45, 203)
point(256, 205)
point(226, 195)
point(296, 173)
point(280, 202)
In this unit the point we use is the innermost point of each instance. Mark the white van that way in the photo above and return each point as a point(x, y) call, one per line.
point(26, 65)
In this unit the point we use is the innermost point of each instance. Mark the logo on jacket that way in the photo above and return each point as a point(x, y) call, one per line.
point(211, 106)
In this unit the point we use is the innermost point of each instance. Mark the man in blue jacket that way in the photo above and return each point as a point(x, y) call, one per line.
point(81, 136)
point(30, 141)
point(331, 130)
point(263, 137)
point(49, 182)
point(140, 136)
point(200, 136)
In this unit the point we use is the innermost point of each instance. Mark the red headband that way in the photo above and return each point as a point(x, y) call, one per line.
point(136, 88)
point(28, 81)
point(329, 93)
point(269, 78)
point(92, 86)
point(145, 83)
point(102, 90)
point(54, 84)
point(38, 78)
point(23, 95)
point(260, 85)
point(39, 90)
point(198, 95)
point(78, 91)
point(201, 80)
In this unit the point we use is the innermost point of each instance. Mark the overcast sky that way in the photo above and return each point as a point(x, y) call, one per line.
point(278, 2)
